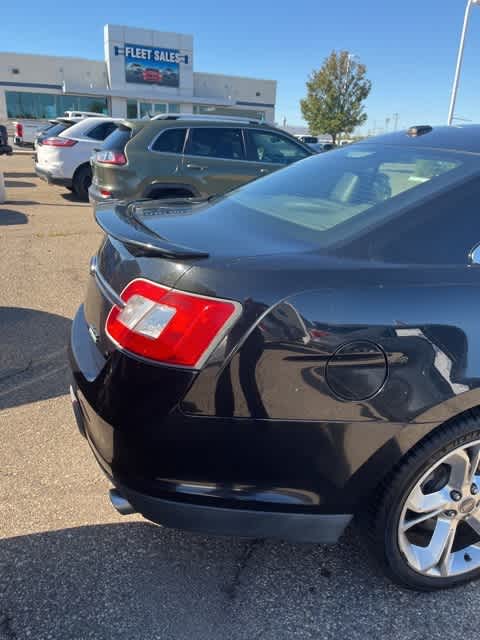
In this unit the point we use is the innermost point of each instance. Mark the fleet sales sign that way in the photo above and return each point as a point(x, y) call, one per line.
point(152, 65)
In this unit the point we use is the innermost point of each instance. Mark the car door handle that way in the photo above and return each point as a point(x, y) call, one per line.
point(198, 167)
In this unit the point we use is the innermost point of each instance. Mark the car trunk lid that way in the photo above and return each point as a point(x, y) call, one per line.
point(161, 241)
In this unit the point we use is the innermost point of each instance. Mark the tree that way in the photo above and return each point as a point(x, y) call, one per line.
point(335, 95)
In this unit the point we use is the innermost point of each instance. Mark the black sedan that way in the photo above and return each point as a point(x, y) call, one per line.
point(300, 351)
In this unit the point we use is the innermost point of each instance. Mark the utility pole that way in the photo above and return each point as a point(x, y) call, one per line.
point(387, 122)
point(458, 67)
point(395, 121)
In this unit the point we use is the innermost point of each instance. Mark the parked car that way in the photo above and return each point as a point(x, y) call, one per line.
point(299, 351)
point(65, 159)
point(84, 114)
point(307, 139)
point(5, 148)
point(188, 156)
point(25, 131)
point(321, 147)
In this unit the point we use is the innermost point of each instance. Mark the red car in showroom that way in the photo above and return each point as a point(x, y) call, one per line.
point(152, 75)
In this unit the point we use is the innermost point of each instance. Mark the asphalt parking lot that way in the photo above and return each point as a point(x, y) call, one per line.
point(70, 567)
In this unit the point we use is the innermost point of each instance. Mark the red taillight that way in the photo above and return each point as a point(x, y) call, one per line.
point(19, 130)
point(59, 142)
point(167, 325)
point(105, 193)
point(110, 157)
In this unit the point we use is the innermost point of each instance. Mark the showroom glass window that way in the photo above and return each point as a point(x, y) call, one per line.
point(149, 109)
point(25, 104)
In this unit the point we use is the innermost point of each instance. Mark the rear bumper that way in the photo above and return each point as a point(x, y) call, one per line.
point(176, 512)
point(95, 195)
point(200, 518)
point(180, 471)
point(48, 177)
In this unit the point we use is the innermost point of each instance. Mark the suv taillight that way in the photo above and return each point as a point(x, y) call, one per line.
point(110, 157)
point(167, 325)
point(19, 130)
point(59, 142)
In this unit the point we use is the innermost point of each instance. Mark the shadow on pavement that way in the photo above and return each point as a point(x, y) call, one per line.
point(18, 184)
point(33, 356)
point(136, 581)
point(20, 174)
point(21, 202)
point(70, 196)
point(11, 217)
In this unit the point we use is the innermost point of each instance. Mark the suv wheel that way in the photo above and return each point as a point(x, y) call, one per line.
point(81, 182)
point(425, 527)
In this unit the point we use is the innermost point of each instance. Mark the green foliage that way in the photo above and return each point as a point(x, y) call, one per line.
point(335, 95)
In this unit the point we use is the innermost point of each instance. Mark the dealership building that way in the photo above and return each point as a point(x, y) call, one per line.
point(144, 72)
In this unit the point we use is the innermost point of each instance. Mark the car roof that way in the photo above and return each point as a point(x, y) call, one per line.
point(465, 137)
point(206, 118)
point(187, 120)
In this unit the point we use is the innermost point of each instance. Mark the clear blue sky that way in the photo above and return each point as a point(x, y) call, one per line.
point(409, 46)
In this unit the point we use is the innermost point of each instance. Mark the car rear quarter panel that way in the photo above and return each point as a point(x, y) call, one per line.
point(276, 367)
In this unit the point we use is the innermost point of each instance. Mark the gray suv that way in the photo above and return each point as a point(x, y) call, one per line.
point(188, 156)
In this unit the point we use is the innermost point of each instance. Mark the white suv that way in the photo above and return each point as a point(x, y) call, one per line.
point(65, 159)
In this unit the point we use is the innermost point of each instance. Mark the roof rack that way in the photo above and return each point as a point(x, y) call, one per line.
point(207, 118)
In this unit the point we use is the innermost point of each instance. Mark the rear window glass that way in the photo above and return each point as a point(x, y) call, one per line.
point(118, 139)
point(336, 195)
point(170, 141)
point(101, 131)
point(55, 129)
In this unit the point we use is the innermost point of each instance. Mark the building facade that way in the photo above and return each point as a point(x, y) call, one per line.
point(144, 72)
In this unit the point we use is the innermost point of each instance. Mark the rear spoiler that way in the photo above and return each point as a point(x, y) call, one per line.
point(119, 221)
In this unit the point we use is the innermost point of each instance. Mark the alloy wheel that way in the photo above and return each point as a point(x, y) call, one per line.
point(439, 527)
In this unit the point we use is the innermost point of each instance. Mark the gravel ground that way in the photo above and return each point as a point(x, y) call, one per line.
point(71, 568)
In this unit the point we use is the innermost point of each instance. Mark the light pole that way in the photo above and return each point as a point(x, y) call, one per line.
point(458, 68)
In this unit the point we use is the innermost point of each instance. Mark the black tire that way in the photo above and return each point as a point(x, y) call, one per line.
point(383, 516)
point(81, 182)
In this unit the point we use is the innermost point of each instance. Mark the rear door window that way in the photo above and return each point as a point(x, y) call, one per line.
point(268, 147)
point(218, 142)
point(170, 141)
point(101, 131)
